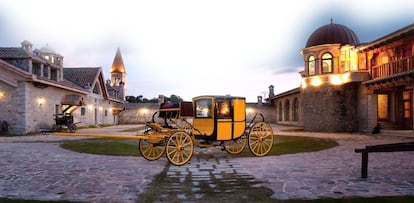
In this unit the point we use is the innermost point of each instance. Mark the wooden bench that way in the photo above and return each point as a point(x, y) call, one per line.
point(395, 147)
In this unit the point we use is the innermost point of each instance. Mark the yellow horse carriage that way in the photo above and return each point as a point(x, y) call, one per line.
point(206, 121)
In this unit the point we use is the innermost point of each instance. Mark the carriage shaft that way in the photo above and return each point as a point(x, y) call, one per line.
point(152, 136)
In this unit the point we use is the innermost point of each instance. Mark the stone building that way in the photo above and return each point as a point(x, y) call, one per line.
point(351, 86)
point(34, 87)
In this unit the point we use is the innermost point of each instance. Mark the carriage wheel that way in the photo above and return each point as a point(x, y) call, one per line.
point(180, 148)
point(260, 139)
point(151, 149)
point(235, 146)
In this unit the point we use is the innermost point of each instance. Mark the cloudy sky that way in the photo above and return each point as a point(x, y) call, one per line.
point(190, 47)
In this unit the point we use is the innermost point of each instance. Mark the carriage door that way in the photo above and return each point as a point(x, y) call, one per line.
point(204, 116)
point(224, 119)
point(407, 109)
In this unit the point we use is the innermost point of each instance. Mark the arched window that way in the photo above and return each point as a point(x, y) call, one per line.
point(280, 111)
point(311, 65)
point(287, 110)
point(327, 63)
point(295, 109)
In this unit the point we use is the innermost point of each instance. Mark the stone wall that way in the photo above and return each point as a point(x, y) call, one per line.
point(331, 108)
point(12, 108)
point(21, 108)
point(138, 113)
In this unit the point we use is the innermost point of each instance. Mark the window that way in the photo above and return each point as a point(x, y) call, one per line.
point(327, 63)
point(311, 65)
point(295, 109)
point(83, 110)
point(36, 70)
point(53, 74)
point(203, 108)
point(45, 71)
point(223, 109)
point(287, 110)
point(106, 113)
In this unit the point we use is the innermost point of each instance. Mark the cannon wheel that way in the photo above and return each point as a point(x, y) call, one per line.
point(151, 149)
point(260, 139)
point(72, 128)
point(235, 146)
point(179, 148)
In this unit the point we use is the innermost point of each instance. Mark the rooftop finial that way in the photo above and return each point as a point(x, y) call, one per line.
point(331, 20)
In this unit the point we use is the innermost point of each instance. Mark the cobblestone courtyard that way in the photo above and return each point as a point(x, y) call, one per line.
point(35, 167)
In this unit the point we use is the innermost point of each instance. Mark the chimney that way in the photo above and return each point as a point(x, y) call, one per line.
point(27, 46)
point(271, 91)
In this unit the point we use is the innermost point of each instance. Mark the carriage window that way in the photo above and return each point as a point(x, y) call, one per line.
point(203, 108)
point(223, 109)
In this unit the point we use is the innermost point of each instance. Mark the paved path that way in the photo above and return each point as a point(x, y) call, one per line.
point(336, 172)
point(35, 167)
point(44, 171)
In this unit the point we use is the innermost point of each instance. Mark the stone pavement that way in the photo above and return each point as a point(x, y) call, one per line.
point(35, 167)
point(336, 172)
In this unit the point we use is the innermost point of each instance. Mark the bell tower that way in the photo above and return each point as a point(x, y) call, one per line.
point(118, 75)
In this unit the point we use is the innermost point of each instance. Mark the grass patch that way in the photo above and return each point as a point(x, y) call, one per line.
point(103, 146)
point(129, 147)
point(295, 144)
point(134, 129)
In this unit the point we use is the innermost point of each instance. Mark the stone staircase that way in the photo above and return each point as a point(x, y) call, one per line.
point(386, 125)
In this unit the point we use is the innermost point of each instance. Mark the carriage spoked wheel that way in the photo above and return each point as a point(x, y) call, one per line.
point(235, 146)
point(72, 128)
point(260, 139)
point(151, 149)
point(179, 148)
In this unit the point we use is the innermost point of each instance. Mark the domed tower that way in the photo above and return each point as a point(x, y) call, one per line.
point(331, 79)
point(118, 74)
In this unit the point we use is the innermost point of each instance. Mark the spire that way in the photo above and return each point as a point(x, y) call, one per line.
point(118, 64)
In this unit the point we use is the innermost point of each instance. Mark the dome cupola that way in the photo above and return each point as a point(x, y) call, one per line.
point(332, 34)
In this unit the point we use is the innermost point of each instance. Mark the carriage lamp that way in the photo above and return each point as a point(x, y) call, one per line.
point(144, 111)
point(41, 101)
point(249, 110)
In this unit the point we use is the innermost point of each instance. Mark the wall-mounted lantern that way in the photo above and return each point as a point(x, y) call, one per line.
point(41, 101)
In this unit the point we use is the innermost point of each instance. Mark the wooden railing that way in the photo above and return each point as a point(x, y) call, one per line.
point(395, 67)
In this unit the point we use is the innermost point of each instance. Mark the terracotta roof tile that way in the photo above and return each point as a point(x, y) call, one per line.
point(84, 77)
point(13, 52)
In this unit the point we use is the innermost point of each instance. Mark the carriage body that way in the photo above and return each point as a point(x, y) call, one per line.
point(219, 117)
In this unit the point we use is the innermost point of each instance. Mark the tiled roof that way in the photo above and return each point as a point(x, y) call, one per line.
point(289, 92)
point(83, 77)
point(13, 52)
point(397, 76)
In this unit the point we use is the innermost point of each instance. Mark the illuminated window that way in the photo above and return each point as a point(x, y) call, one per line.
point(311, 65)
point(223, 109)
point(327, 63)
point(203, 108)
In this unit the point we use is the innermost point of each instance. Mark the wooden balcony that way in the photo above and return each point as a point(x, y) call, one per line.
point(395, 67)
